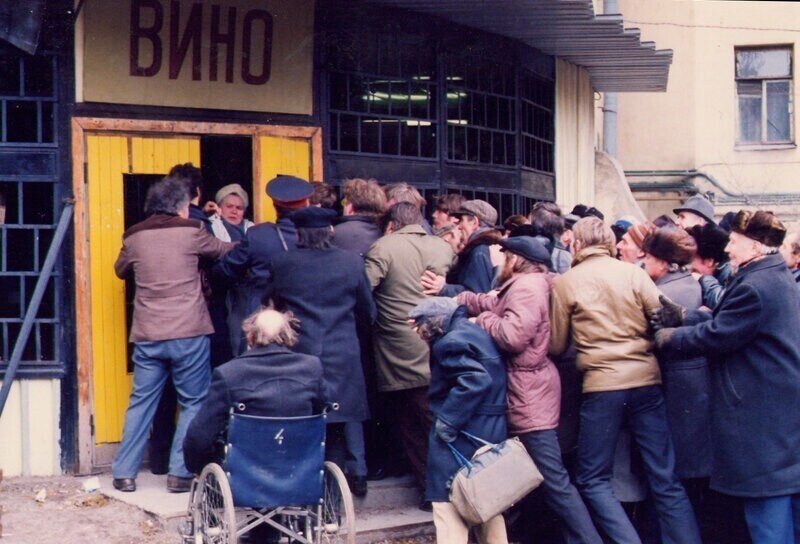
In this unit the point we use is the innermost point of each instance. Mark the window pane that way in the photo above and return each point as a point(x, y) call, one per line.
point(778, 119)
point(749, 119)
point(763, 63)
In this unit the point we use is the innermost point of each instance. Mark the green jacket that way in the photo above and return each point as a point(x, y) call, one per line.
point(395, 264)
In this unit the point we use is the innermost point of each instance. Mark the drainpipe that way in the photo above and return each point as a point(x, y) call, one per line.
point(610, 101)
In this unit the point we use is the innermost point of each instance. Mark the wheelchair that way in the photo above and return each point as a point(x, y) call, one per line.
point(274, 473)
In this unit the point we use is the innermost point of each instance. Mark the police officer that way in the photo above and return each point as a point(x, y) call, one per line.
point(249, 261)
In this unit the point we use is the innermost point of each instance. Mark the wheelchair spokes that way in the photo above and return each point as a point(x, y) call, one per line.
point(213, 510)
point(336, 522)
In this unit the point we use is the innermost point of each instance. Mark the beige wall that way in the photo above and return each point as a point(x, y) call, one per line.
point(29, 429)
point(574, 148)
point(693, 124)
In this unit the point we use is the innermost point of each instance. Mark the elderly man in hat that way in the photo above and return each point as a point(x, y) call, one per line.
point(326, 289)
point(250, 260)
point(753, 344)
point(697, 210)
point(629, 248)
point(474, 270)
point(711, 262)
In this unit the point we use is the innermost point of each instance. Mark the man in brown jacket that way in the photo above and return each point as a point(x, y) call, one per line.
point(603, 304)
point(394, 265)
point(170, 324)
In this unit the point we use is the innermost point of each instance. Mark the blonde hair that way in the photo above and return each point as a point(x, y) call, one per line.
point(591, 231)
point(403, 192)
point(267, 326)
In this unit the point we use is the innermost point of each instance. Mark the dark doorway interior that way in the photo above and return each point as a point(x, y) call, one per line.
point(227, 159)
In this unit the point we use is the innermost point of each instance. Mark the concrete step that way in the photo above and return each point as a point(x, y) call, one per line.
point(389, 511)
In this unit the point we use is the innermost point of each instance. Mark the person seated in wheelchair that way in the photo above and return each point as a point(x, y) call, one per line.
point(467, 394)
point(268, 380)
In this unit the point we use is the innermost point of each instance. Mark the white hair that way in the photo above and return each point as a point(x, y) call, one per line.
point(267, 326)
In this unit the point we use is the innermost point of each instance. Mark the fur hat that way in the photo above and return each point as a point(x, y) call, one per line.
point(711, 241)
point(760, 226)
point(671, 244)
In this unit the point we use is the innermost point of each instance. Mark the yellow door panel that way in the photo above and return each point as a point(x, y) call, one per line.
point(290, 156)
point(108, 158)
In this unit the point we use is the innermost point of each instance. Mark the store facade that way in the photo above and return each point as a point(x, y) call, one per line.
point(246, 90)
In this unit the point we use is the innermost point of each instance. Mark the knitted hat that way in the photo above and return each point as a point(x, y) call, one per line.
point(671, 244)
point(232, 189)
point(638, 234)
point(760, 226)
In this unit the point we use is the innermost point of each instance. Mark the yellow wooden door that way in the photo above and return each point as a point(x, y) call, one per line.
point(108, 159)
point(278, 155)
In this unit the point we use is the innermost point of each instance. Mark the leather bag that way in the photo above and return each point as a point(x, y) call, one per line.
point(497, 476)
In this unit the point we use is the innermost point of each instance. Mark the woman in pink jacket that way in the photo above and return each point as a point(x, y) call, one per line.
point(516, 318)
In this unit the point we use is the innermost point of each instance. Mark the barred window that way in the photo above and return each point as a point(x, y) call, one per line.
point(29, 204)
point(537, 97)
point(383, 95)
point(481, 112)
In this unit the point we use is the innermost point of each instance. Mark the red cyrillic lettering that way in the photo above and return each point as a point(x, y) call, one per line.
point(228, 39)
point(247, 35)
point(139, 32)
point(191, 35)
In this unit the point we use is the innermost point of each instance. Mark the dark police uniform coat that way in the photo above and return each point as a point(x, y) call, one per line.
point(248, 263)
point(467, 391)
point(686, 388)
point(753, 343)
point(327, 290)
point(266, 381)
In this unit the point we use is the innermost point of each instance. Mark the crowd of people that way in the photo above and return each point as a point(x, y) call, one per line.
point(655, 363)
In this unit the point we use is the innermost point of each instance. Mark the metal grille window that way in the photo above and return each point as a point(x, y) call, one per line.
point(28, 204)
point(764, 95)
point(383, 95)
point(27, 99)
point(481, 113)
point(537, 99)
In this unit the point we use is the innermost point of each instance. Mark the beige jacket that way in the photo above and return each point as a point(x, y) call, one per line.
point(394, 265)
point(162, 252)
point(603, 304)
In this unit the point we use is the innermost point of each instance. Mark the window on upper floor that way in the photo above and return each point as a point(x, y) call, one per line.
point(764, 95)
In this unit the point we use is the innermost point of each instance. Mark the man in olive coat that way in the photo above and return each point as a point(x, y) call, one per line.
point(753, 346)
point(394, 266)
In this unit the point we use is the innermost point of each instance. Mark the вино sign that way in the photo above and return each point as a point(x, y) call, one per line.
point(178, 42)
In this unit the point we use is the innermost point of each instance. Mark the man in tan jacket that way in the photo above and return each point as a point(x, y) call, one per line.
point(603, 305)
point(170, 326)
point(394, 265)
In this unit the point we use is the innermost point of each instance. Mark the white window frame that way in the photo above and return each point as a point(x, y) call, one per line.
point(764, 143)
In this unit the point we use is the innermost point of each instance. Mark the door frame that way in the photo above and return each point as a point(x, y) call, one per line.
point(83, 125)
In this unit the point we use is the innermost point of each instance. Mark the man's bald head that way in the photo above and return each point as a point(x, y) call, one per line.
point(266, 327)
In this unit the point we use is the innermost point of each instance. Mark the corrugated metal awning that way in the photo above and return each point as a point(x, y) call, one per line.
point(616, 58)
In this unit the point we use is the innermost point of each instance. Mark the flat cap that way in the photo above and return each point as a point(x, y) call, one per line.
point(313, 217)
point(289, 191)
point(485, 212)
point(698, 205)
point(527, 247)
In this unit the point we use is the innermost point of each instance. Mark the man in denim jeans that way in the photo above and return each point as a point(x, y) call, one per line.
point(603, 304)
point(170, 324)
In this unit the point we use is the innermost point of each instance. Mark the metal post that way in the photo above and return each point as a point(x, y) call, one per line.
point(36, 300)
point(610, 102)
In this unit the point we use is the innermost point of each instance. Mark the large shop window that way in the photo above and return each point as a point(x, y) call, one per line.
point(29, 204)
point(383, 95)
point(764, 95)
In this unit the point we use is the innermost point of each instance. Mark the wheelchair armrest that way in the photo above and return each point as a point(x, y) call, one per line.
point(330, 407)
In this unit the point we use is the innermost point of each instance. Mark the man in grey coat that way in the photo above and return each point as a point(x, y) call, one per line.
point(170, 324)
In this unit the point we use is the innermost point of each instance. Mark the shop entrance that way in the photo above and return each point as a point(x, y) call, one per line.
point(119, 168)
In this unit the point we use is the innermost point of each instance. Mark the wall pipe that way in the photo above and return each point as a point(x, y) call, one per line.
point(610, 101)
point(36, 300)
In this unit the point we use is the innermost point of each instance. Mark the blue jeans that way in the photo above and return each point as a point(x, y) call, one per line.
point(187, 359)
point(773, 520)
point(560, 494)
point(345, 447)
point(601, 417)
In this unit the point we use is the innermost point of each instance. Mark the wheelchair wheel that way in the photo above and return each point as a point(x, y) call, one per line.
point(213, 511)
point(338, 518)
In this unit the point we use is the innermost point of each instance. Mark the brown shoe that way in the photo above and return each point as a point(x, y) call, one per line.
point(176, 484)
